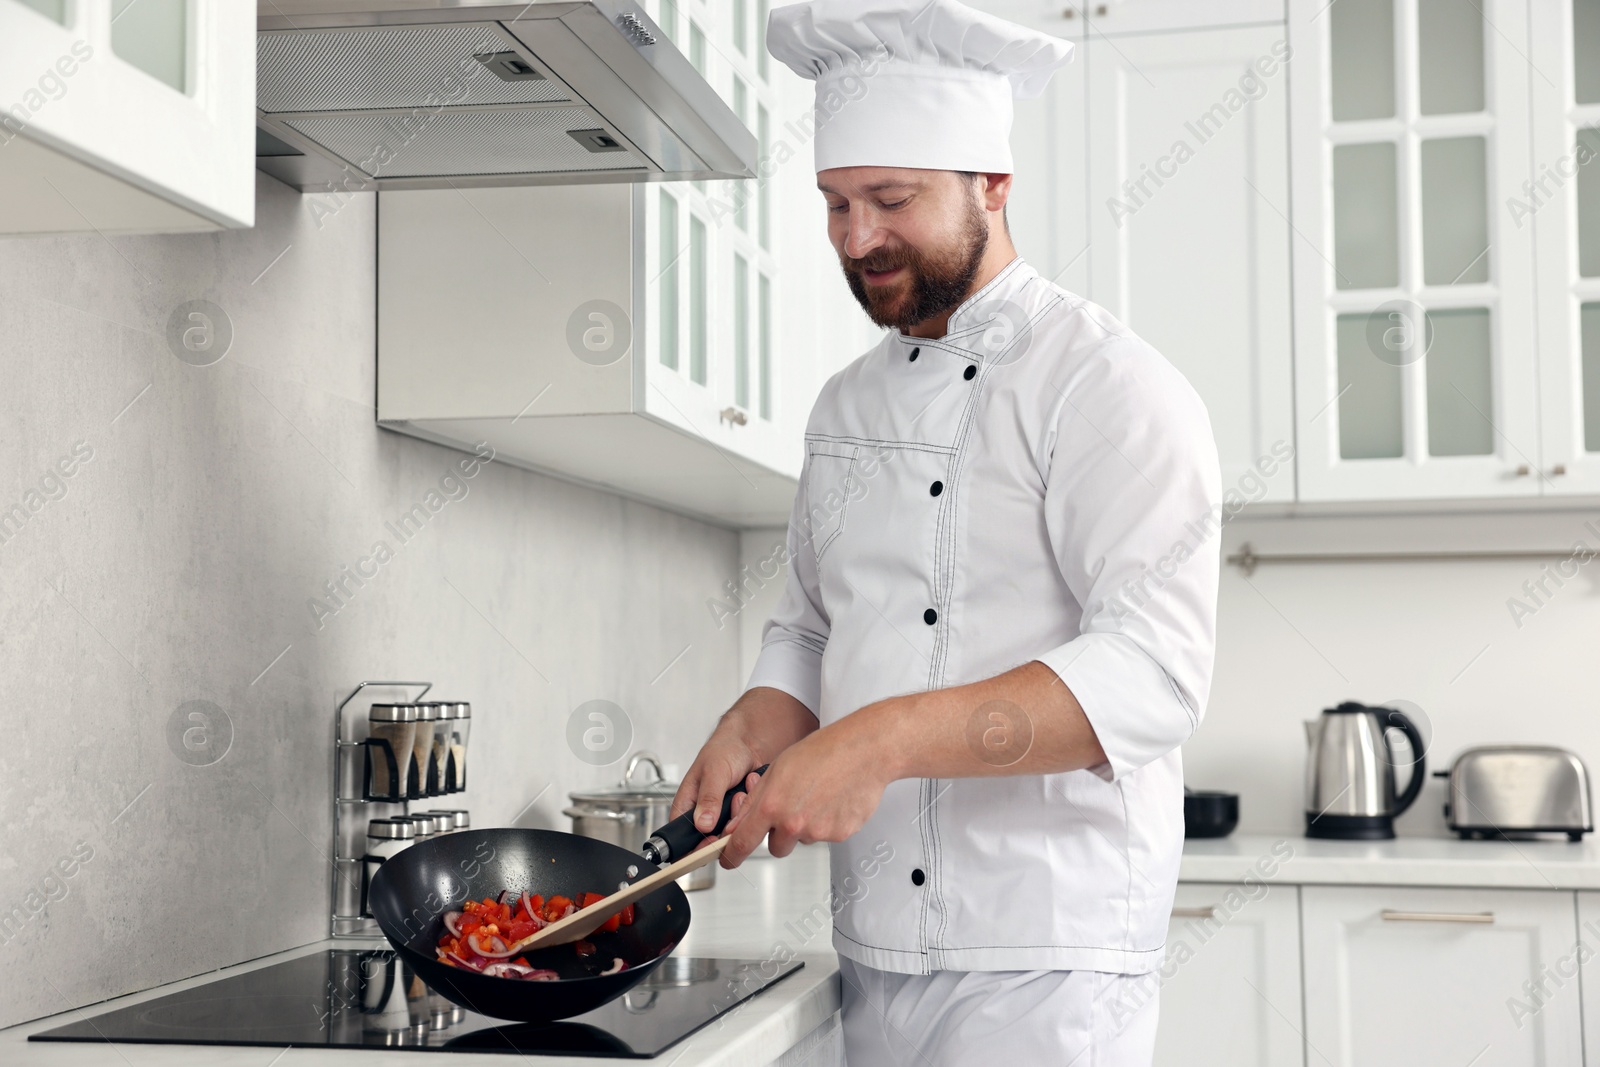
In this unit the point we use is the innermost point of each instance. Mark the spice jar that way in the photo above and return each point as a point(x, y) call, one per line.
point(445, 820)
point(422, 752)
point(385, 838)
point(439, 754)
point(460, 819)
point(391, 737)
point(422, 826)
point(459, 720)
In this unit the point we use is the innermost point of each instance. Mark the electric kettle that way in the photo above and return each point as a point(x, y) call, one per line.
point(1350, 790)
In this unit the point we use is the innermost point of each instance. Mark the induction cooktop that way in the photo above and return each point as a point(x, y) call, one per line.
point(352, 998)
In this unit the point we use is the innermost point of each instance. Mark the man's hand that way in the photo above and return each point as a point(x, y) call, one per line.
point(822, 788)
point(761, 724)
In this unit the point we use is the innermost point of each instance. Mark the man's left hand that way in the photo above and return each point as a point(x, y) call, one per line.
point(824, 787)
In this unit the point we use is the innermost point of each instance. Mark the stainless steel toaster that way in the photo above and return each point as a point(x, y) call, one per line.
point(1504, 790)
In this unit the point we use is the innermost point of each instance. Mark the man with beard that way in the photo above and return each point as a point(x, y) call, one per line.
point(999, 616)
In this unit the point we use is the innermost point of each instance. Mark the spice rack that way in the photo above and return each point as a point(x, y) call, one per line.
point(354, 926)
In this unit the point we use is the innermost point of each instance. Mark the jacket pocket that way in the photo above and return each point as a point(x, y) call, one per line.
point(832, 481)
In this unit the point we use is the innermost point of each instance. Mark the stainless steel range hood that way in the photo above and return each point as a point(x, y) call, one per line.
point(355, 95)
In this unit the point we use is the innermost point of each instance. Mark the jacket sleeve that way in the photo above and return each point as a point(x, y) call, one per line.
point(793, 640)
point(1133, 511)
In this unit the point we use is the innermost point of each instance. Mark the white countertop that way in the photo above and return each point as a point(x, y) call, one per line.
point(758, 912)
point(1553, 863)
point(752, 913)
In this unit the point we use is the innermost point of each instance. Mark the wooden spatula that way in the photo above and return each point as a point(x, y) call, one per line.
point(587, 920)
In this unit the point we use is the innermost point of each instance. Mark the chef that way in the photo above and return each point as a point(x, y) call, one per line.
point(999, 615)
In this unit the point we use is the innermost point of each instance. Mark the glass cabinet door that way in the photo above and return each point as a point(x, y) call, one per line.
point(1561, 203)
point(1414, 290)
point(709, 266)
point(148, 125)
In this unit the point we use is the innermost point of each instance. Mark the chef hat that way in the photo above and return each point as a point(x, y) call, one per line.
point(913, 83)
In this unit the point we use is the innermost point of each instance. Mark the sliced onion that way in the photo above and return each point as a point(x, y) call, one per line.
point(543, 976)
point(452, 922)
point(571, 909)
point(461, 961)
point(501, 954)
point(533, 916)
point(616, 966)
point(503, 969)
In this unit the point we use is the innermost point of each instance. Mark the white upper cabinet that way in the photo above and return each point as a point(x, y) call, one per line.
point(1171, 216)
point(551, 323)
point(1397, 977)
point(126, 116)
point(662, 340)
point(1560, 204)
point(1047, 214)
point(1111, 17)
point(1188, 200)
point(1414, 307)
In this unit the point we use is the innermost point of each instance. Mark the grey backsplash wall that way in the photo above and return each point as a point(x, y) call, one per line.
point(177, 562)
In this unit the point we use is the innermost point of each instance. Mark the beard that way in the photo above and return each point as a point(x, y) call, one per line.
point(935, 282)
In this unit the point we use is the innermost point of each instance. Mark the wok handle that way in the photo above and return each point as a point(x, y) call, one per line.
point(679, 837)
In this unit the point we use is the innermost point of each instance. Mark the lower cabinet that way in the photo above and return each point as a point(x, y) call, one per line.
point(1396, 977)
point(1230, 986)
point(1586, 953)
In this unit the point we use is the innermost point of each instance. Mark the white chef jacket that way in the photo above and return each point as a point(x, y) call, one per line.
point(1038, 484)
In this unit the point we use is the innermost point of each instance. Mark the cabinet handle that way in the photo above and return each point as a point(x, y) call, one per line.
point(1209, 912)
point(733, 416)
point(1523, 470)
point(1558, 470)
point(1437, 916)
point(1100, 12)
point(1069, 13)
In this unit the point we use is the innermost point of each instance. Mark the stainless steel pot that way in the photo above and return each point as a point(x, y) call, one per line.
point(626, 814)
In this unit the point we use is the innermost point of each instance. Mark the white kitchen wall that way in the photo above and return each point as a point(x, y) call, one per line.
point(206, 507)
point(1296, 638)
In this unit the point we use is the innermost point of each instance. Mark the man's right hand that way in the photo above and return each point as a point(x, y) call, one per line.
point(762, 723)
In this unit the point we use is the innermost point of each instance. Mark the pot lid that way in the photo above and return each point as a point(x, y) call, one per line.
point(627, 789)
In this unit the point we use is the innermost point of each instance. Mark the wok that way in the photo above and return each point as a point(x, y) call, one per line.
point(411, 892)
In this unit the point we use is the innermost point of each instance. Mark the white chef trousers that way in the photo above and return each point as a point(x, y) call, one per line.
point(1012, 1018)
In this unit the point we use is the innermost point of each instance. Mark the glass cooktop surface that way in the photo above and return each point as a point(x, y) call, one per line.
point(353, 998)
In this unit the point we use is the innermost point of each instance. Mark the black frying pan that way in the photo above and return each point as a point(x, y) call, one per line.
point(411, 892)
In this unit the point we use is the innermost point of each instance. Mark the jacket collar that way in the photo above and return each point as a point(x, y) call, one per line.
point(969, 322)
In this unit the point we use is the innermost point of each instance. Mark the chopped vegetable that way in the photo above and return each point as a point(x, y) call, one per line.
point(479, 936)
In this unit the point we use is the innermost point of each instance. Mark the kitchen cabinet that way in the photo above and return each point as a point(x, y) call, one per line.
point(134, 116)
point(1230, 990)
point(1112, 17)
point(1560, 204)
point(1188, 193)
point(663, 340)
point(1414, 305)
point(523, 317)
point(1173, 217)
point(1402, 976)
point(1047, 211)
point(1586, 955)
